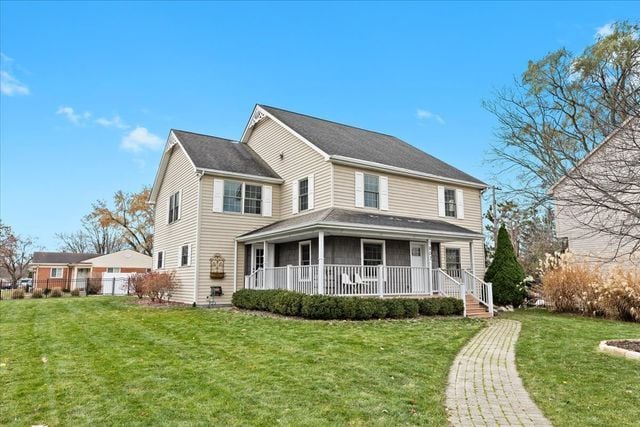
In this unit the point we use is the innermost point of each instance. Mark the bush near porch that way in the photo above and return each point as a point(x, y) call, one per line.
point(343, 308)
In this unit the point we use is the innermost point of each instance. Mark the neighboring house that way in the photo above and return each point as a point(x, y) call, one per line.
point(66, 269)
point(331, 201)
point(598, 202)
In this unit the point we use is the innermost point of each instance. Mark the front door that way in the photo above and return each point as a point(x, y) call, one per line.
point(82, 274)
point(418, 271)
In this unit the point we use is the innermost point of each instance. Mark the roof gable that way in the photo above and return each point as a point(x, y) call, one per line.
point(125, 258)
point(349, 142)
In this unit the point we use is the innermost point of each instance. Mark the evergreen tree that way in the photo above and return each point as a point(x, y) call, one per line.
point(505, 273)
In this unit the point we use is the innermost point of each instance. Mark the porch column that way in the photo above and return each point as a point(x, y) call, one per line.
point(473, 262)
point(321, 262)
point(430, 274)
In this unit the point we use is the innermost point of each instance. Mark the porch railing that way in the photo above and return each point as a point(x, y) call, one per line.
point(359, 280)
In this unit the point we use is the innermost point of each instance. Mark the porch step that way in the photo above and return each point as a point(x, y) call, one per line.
point(475, 309)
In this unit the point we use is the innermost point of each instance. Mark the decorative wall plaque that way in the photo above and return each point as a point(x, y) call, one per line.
point(216, 263)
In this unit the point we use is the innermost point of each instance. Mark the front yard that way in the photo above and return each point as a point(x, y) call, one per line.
point(570, 380)
point(102, 360)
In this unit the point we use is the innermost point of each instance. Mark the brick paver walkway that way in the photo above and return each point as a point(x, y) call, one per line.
point(484, 388)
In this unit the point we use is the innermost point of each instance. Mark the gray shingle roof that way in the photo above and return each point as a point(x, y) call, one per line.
point(337, 139)
point(210, 152)
point(346, 216)
point(60, 257)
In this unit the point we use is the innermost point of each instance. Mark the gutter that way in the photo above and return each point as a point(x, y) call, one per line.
point(239, 175)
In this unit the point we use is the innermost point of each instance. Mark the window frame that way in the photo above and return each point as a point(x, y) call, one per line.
point(458, 260)
point(365, 191)
point(448, 204)
point(300, 245)
point(254, 256)
point(174, 206)
point(304, 195)
point(225, 196)
point(160, 260)
point(181, 259)
point(52, 276)
point(245, 198)
point(113, 270)
point(382, 243)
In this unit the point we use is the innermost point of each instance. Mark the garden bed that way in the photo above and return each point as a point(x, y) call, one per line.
point(627, 348)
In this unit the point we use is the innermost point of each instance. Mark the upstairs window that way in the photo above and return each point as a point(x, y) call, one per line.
point(160, 260)
point(174, 207)
point(450, 208)
point(371, 191)
point(253, 199)
point(232, 196)
point(303, 194)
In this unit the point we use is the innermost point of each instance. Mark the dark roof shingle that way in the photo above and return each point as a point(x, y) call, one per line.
point(347, 216)
point(337, 139)
point(210, 152)
point(60, 257)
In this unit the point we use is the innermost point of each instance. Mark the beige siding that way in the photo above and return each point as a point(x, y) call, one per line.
point(418, 198)
point(465, 258)
point(269, 140)
point(179, 176)
point(217, 234)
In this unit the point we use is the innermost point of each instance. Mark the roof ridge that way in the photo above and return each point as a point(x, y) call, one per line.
point(332, 121)
point(204, 134)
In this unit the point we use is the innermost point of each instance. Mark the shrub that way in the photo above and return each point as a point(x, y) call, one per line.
point(571, 286)
point(75, 292)
point(94, 286)
point(17, 294)
point(138, 284)
point(37, 293)
point(159, 285)
point(505, 273)
point(56, 293)
point(325, 307)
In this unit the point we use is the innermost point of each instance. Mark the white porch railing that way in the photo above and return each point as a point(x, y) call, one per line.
point(380, 281)
point(480, 289)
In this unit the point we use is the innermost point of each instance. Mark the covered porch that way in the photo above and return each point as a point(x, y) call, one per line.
point(427, 258)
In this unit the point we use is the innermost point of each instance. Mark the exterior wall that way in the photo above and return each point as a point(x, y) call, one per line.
point(217, 234)
point(179, 176)
point(96, 272)
point(42, 277)
point(418, 198)
point(126, 258)
point(269, 140)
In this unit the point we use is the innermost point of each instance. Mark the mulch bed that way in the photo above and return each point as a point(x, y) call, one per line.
point(164, 304)
point(632, 345)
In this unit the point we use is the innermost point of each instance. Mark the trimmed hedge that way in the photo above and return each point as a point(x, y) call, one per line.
point(343, 308)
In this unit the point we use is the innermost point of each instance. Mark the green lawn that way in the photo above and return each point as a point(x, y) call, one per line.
point(572, 382)
point(102, 360)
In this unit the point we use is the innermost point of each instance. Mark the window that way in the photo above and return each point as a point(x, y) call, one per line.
point(113, 269)
point(258, 258)
point(303, 194)
point(453, 262)
point(174, 207)
point(371, 191)
point(56, 273)
point(450, 202)
point(305, 253)
point(185, 255)
point(372, 253)
point(252, 199)
point(232, 196)
point(160, 259)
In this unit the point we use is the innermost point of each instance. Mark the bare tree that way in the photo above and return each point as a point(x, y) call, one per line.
point(132, 216)
point(16, 253)
point(92, 237)
point(562, 108)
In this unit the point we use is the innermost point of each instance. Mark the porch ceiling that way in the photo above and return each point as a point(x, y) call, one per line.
point(336, 221)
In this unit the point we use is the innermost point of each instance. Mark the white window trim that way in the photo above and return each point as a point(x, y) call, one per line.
point(179, 193)
point(455, 198)
point(446, 267)
point(163, 260)
point(115, 270)
point(384, 250)
point(188, 264)
point(300, 245)
point(242, 196)
point(61, 269)
point(254, 247)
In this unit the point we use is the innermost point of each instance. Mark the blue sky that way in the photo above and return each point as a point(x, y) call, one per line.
point(91, 90)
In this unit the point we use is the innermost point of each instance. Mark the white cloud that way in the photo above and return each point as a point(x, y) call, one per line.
point(604, 31)
point(115, 122)
point(428, 115)
point(10, 86)
point(140, 138)
point(72, 116)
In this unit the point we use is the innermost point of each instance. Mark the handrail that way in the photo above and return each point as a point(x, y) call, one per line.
point(480, 290)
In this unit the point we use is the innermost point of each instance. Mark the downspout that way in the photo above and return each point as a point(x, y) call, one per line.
point(197, 264)
point(235, 265)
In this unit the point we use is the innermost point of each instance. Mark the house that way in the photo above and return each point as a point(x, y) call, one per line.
point(597, 203)
point(316, 206)
point(67, 270)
